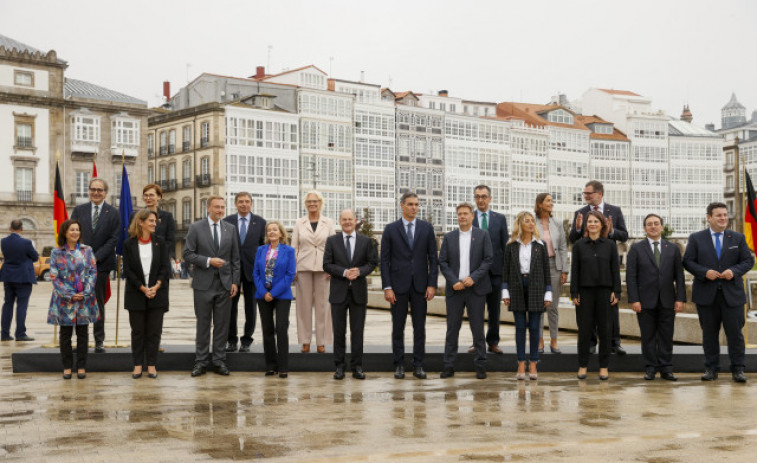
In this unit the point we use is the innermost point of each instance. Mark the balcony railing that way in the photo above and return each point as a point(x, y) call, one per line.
point(24, 142)
point(150, 153)
point(185, 146)
point(24, 196)
point(171, 149)
point(203, 180)
point(171, 185)
point(186, 222)
point(163, 150)
point(186, 182)
point(204, 142)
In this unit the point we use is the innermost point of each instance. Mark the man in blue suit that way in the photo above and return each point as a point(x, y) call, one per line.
point(496, 225)
point(718, 258)
point(409, 273)
point(17, 275)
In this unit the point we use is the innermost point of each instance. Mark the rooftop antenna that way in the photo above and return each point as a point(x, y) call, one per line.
point(268, 64)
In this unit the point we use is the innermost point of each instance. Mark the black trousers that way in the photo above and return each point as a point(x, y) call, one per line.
point(101, 286)
point(494, 307)
point(82, 341)
point(614, 328)
point(418, 308)
point(594, 311)
point(19, 294)
point(274, 320)
point(656, 325)
point(732, 319)
point(339, 314)
point(456, 304)
point(146, 328)
point(250, 314)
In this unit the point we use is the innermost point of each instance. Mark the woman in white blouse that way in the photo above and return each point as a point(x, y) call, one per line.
point(147, 269)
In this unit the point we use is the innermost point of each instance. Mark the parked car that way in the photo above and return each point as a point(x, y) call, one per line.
point(42, 268)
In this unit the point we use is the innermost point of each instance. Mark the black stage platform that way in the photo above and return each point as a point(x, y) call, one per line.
point(686, 359)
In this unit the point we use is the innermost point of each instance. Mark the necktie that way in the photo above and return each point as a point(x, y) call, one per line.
point(484, 222)
point(596, 208)
point(718, 247)
point(216, 244)
point(349, 248)
point(96, 217)
point(243, 229)
point(410, 234)
point(657, 252)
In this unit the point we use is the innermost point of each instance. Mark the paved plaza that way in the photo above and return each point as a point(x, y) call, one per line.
point(110, 417)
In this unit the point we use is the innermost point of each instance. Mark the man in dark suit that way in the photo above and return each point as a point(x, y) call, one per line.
point(465, 260)
point(251, 234)
point(718, 258)
point(17, 275)
point(594, 193)
point(657, 292)
point(409, 272)
point(100, 224)
point(212, 246)
point(349, 257)
point(496, 225)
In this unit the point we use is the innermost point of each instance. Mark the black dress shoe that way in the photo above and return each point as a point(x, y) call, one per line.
point(618, 350)
point(419, 373)
point(480, 374)
point(24, 338)
point(99, 348)
point(593, 349)
point(399, 372)
point(244, 348)
point(581, 376)
point(668, 376)
point(447, 373)
point(339, 373)
point(604, 378)
point(650, 374)
point(136, 375)
point(81, 375)
point(738, 376)
point(198, 370)
point(222, 369)
point(710, 375)
point(152, 375)
point(358, 373)
point(270, 372)
point(6, 338)
point(231, 347)
point(283, 374)
point(66, 375)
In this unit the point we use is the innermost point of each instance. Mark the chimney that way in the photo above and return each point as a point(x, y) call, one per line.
point(166, 90)
point(260, 72)
point(362, 76)
point(443, 93)
point(710, 127)
point(686, 114)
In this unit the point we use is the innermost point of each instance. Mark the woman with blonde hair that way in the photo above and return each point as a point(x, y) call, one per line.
point(553, 236)
point(312, 283)
point(147, 268)
point(526, 288)
point(273, 273)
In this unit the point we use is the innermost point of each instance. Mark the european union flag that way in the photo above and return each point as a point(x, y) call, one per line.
point(125, 209)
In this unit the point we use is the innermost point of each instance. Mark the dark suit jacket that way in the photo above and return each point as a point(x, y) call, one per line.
point(19, 256)
point(700, 257)
point(335, 262)
point(283, 272)
point(497, 228)
point(595, 264)
point(619, 232)
point(538, 278)
point(480, 260)
point(647, 283)
point(403, 268)
point(165, 230)
point(160, 269)
point(103, 239)
point(198, 247)
point(255, 237)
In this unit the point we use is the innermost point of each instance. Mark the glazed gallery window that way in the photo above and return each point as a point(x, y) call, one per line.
point(86, 128)
point(125, 132)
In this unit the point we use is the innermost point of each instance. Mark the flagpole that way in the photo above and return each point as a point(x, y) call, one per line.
point(119, 257)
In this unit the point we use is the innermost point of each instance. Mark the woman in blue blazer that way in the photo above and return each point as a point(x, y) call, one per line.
point(274, 271)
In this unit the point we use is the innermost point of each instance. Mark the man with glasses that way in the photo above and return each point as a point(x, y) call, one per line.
point(100, 224)
point(594, 193)
point(496, 225)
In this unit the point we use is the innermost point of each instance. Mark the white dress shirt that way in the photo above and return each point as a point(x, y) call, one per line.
point(145, 256)
point(524, 259)
point(465, 243)
point(659, 245)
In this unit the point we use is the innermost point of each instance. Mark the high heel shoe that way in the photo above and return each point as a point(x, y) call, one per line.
point(604, 377)
point(305, 348)
point(270, 372)
point(81, 375)
point(532, 375)
point(136, 375)
point(555, 350)
point(66, 375)
point(581, 375)
point(521, 375)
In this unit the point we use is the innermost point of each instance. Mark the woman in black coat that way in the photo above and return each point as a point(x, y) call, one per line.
point(526, 288)
point(165, 229)
point(147, 269)
point(594, 287)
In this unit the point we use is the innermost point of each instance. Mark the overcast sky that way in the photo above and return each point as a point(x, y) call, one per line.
point(675, 52)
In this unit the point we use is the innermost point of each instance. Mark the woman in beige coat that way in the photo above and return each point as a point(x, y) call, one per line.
point(312, 283)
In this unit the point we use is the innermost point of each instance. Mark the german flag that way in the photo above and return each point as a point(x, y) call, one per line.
point(750, 216)
point(60, 214)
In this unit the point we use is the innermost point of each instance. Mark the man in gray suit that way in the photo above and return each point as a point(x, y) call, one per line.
point(465, 259)
point(212, 246)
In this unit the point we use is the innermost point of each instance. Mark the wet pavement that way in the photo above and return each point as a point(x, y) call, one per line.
point(110, 417)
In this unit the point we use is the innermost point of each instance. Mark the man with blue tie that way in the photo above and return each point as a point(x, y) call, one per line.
point(17, 275)
point(409, 273)
point(718, 258)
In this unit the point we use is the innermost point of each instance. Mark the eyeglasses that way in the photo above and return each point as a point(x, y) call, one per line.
point(310, 201)
point(149, 195)
point(481, 196)
point(589, 193)
point(97, 190)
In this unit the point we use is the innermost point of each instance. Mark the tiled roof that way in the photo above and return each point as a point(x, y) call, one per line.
point(687, 129)
point(619, 92)
point(587, 120)
point(9, 44)
point(530, 113)
point(81, 89)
